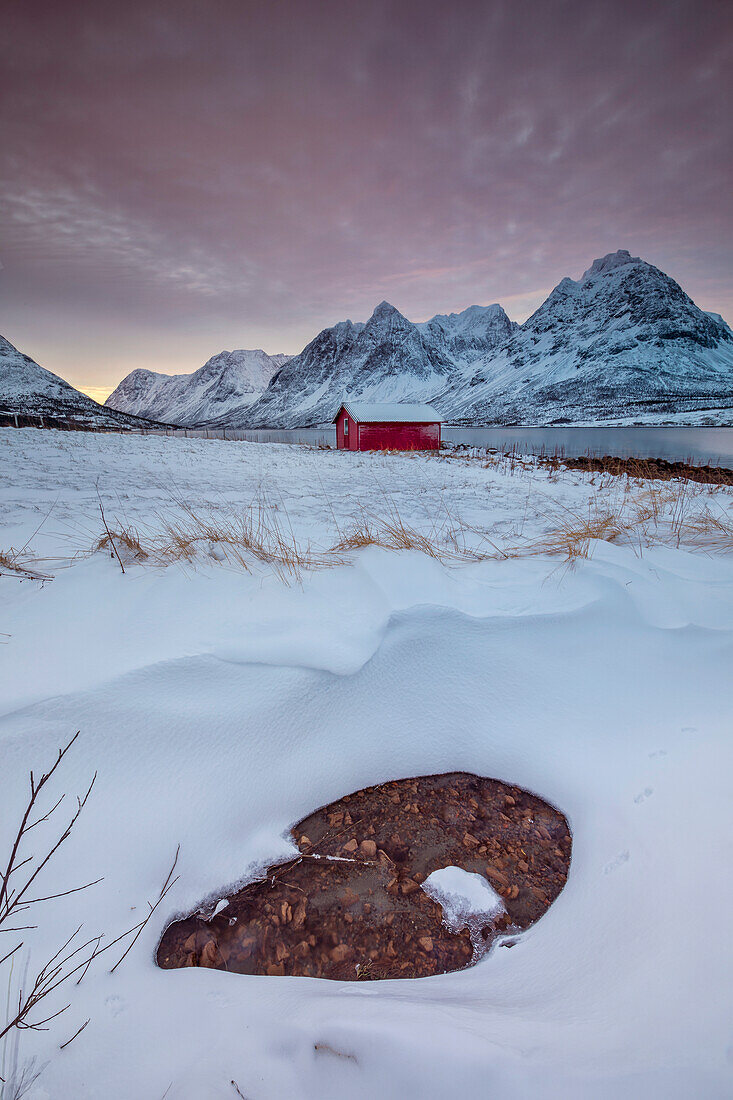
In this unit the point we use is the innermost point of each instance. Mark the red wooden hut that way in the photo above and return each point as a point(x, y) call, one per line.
point(364, 426)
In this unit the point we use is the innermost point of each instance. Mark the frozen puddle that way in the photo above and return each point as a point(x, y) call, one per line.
point(406, 879)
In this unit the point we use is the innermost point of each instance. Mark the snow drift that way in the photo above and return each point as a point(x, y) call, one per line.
point(219, 707)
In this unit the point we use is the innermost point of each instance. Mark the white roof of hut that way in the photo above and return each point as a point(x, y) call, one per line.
point(368, 412)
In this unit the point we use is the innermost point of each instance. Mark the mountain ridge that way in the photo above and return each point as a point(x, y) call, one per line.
point(230, 378)
point(29, 390)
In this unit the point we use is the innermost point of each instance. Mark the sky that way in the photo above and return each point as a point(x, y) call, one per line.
point(179, 178)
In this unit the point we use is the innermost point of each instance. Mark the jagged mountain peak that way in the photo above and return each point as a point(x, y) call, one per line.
point(470, 334)
point(386, 314)
point(625, 339)
point(610, 262)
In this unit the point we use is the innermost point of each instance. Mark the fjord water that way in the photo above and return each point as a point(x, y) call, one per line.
point(700, 446)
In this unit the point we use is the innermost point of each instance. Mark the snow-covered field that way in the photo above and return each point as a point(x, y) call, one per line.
point(219, 705)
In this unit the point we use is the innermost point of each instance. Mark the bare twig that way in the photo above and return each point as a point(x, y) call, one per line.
point(71, 1040)
point(166, 887)
point(109, 533)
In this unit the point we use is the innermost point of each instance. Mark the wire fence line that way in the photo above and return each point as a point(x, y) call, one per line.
point(314, 436)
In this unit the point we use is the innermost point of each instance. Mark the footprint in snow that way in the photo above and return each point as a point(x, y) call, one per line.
point(116, 1005)
point(657, 753)
point(643, 795)
point(616, 862)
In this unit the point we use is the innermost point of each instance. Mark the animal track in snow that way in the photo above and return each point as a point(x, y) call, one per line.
point(616, 862)
point(643, 795)
point(115, 1004)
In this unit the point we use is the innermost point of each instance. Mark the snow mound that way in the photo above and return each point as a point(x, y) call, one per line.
point(466, 898)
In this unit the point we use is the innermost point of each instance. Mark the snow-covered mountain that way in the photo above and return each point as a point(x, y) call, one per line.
point(26, 389)
point(231, 379)
point(387, 359)
point(468, 335)
point(623, 342)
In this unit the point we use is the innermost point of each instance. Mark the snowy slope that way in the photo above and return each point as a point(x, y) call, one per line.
point(219, 707)
point(624, 341)
point(26, 389)
point(231, 379)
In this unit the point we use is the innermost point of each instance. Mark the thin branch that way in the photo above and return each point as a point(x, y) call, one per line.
point(109, 533)
point(23, 828)
point(71, 1040)
point(64, 893)
point(167, 885)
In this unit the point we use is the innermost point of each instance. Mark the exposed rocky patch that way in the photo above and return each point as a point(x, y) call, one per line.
point(652, 468)
point(351, 906)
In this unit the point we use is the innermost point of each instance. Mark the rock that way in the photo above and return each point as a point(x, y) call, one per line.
point(304, 842)
point(426, 942)
point(275, 969)
point(470, 841)
point(497, 875)
point(210, 956)
point(341, 952)
point(368, 849)
point(523, 866)
point(299, 914)
point(350, 846)
point(409, 886)
point(301, 949)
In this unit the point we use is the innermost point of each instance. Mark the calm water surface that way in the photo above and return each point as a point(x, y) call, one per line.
point(701, 446)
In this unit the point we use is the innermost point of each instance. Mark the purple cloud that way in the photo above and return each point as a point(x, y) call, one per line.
point(179, 178)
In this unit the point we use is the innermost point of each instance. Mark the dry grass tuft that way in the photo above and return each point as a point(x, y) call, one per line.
point(236, 540)
point(645, 515)
point(127, 542)
point(14, 563)
point(636, 513)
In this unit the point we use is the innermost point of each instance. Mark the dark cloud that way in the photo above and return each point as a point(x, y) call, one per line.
point(181, 177)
